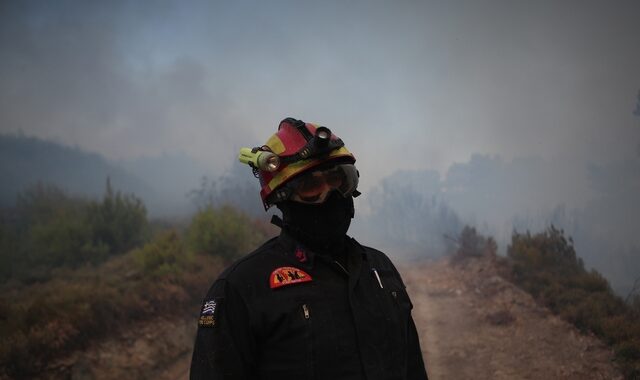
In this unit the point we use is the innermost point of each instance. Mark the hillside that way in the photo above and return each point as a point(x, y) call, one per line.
point(27, 160)
point(476, 325)
point(163, 182)
point(473, 324)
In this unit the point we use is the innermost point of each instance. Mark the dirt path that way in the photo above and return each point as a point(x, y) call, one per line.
point(475, 325)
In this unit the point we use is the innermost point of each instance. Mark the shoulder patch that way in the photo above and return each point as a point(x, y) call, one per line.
point(288, 276)
point(208, 313)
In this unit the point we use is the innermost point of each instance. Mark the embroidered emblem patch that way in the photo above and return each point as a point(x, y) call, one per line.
point(208, 314)
point(287, 276)
point(301, 255)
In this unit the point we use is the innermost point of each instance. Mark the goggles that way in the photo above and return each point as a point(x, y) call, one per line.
point(314, 187)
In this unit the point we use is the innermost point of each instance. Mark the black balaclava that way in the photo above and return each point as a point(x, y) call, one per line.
point(322, 227)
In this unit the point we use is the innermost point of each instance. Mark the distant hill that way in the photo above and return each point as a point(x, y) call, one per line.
point(164, 182)
point(26, 160)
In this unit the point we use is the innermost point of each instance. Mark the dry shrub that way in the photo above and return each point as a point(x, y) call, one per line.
point(471, 244)
point(49, 320)
point(546, 265)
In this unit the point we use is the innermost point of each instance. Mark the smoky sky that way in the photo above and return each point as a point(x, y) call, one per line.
point(499, 114)
point(409, 85)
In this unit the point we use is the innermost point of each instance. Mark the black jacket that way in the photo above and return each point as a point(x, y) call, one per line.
point(283, 312)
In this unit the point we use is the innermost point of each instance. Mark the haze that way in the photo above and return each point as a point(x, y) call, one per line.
point(511, 113)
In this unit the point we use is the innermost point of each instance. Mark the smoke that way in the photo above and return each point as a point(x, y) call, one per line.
point(417, 208)
point(408, 217)
point(433, 81)
point(79, 73)
point(543, 91)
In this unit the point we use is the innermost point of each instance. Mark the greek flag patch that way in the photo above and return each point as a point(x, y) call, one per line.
point(208, 314)
point(209, 307)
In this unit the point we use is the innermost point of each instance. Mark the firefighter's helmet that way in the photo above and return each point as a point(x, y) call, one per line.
point(285, 163)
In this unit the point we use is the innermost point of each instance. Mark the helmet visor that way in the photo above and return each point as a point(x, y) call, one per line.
point(314, 187)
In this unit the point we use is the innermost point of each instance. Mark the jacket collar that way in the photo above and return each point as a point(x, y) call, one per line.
point(298, 254)
point(295, 251)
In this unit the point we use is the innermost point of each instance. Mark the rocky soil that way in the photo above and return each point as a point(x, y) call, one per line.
point(473, 324)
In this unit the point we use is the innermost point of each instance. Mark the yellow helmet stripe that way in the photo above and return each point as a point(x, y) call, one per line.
point(275, 144)
point(300, 166)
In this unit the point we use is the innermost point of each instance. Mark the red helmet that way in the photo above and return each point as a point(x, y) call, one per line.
point(296, 148)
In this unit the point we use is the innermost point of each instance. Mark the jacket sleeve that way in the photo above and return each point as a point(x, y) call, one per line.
point(224, 347)
point(415, 364)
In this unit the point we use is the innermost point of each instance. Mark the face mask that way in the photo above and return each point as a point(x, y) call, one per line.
point(320, 226)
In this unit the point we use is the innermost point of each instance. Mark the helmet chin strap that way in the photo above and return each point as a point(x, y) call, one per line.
point(277, 221)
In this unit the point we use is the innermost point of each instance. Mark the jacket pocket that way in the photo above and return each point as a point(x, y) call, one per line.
point(288, 351)
point(398, 316)
point(401, 298)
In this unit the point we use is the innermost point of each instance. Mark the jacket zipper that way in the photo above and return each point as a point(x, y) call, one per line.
point(305, 310)
point(341, 267)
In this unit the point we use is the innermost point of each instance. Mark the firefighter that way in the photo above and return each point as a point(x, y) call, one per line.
point(311, 303)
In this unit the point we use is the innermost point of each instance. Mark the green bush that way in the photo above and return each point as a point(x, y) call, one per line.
point(41, 202)
point(164, 255)
point(47, 229)
point(67, 240)
point(225, 232)
point(119, 221)
point(50, 229)
point(9, 251)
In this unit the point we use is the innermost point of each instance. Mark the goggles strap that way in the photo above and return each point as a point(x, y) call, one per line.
point(300, 126)
point(311, 148)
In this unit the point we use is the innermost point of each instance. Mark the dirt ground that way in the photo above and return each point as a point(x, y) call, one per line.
point(158, 349)
point(475, 325)
point(472, 324)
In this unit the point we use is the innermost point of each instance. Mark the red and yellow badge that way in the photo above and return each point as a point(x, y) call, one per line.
point(287, 276)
